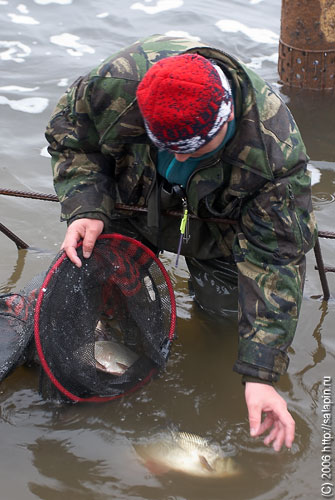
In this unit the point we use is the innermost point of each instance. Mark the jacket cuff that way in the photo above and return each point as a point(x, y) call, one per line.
point(248, 378)
point(260, 361)
point(90, 215)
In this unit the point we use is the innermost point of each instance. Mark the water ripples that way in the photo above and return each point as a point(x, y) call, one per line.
point(322, 198)
point(71, 42)
point(27, 105)
point(259, 35)
point(85, 450)
point(14, 51)
point(160, 6)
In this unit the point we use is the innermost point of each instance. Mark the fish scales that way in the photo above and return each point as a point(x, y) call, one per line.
point(186, 453)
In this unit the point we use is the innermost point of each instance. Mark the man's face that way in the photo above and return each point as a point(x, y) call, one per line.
point(210, 146)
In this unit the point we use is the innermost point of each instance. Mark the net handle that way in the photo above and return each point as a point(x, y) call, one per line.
point(43, 289)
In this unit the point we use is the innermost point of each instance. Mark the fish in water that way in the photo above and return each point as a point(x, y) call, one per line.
point(113, 357)
point(186, 453)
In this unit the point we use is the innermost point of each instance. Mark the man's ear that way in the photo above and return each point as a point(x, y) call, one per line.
point(231, 116)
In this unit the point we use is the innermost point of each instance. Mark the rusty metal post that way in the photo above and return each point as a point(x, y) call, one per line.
point(307, 44)
point(321, 269)
point(18, 242)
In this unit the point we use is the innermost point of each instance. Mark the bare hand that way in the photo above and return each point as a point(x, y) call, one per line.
point(86, 229)
point(264, 398)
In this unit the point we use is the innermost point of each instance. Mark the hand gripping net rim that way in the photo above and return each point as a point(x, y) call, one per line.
point(54, 268)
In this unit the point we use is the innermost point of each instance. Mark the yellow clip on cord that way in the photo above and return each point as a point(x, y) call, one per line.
point(184, 222)
point(183, 226)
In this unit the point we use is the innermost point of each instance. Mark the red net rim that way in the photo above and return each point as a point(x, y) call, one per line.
point(45, 366)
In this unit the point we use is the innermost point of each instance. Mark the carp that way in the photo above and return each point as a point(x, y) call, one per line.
point(113, 357)
point(188, 454)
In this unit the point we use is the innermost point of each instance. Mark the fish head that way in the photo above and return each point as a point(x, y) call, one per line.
point(223, 467)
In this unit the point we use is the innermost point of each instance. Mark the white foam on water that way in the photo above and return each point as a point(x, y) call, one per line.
point(256, 62)
point(260, 35)
point(22, 9)
point(102, 15)
point(183, 34)
point(44, 152)
point(3, 2)
point(16, 88)
point(71, 41)
point(46, 2)
point(315, 173)
point(160, 6)
point(63, 82)
point(28, 105)
point(15, 51)
point(15, 18)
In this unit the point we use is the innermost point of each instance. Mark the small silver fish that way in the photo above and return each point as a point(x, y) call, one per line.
point(113, 357)
point(107, 330)
point(186, 453)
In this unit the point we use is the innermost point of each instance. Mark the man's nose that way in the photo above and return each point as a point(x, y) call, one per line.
point(181, 157)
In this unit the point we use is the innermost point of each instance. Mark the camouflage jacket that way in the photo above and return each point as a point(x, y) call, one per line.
point(102, 155)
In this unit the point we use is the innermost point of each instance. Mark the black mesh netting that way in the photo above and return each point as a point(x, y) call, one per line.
point(121, 296)
point(17, 326)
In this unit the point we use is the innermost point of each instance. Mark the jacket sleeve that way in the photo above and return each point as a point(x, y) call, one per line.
point(83, 175)
point(276, 230)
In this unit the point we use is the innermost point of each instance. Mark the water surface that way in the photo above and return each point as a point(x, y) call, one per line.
point(85, 451)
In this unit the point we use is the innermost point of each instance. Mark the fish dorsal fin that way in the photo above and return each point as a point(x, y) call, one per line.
point(205, 464)
point(190, 439)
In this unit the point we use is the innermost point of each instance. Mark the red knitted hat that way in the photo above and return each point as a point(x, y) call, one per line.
point(185, 100)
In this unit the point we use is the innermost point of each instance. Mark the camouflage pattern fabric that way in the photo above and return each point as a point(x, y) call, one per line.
point(102, 155)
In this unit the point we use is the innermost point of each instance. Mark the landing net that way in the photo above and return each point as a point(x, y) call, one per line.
point(121, 297)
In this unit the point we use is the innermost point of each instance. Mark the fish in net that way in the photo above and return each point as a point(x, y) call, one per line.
point(103, 330)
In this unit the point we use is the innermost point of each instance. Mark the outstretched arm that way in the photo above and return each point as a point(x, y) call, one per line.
point(263, 398)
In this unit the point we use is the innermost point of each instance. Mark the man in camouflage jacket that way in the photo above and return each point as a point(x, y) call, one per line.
point(102, 155)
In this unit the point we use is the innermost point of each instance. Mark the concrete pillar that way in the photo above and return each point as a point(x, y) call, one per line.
point(307, 44)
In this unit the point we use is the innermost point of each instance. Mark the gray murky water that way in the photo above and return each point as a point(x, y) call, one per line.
point(85, 451)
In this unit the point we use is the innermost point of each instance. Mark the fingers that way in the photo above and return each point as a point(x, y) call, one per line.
point(277, 431)
point(254, 400)
point(91, 234)
point(276, 436)
point(284, 426)
point(73, 235)
point(279, 440)
point(289, 430)
point(281, 433)
point(261, 399)
point(71, 252)
point(266, 424)
point(255, 415)
point(86, 229)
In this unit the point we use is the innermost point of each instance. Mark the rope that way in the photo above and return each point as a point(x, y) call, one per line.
point(118, 206)
point(134, 208)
